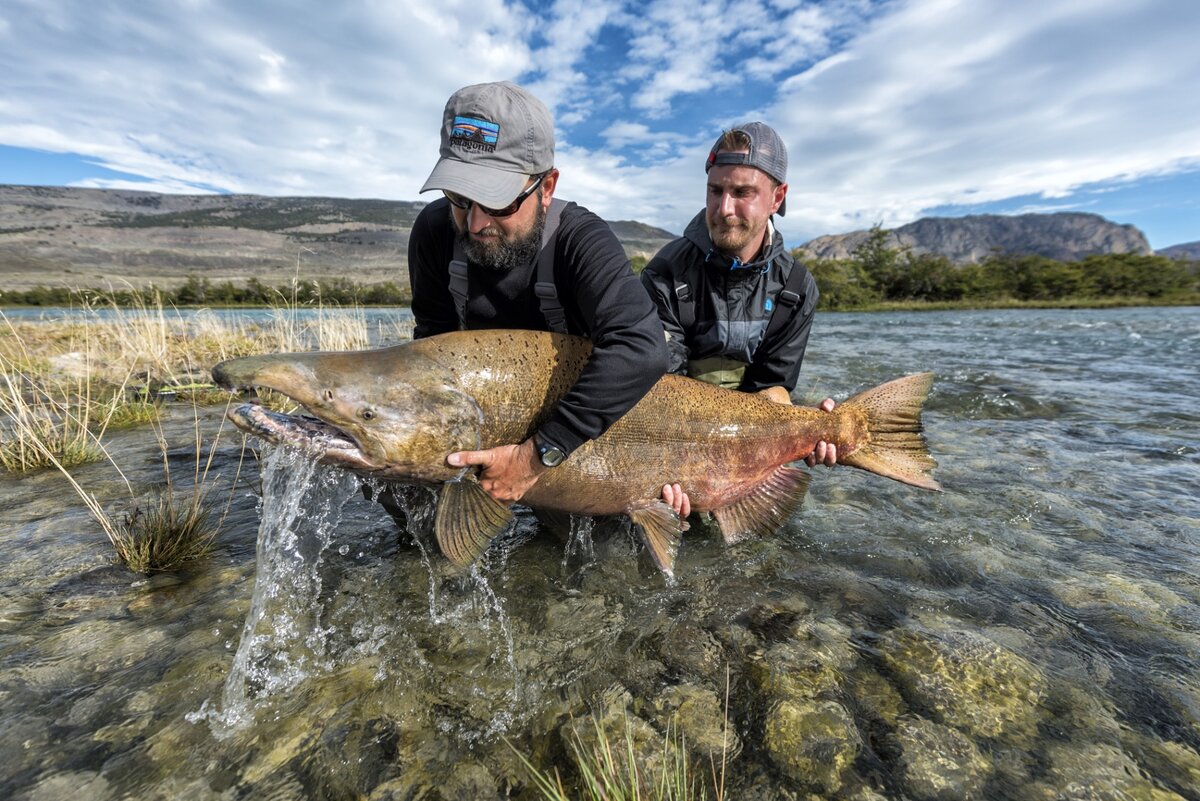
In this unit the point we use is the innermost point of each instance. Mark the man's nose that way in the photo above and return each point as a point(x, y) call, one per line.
point(726, 205)
point(477, 219)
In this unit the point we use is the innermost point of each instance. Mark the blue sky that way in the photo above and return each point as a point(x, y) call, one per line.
point(891, 110)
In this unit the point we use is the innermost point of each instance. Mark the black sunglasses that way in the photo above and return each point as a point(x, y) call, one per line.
point(465, 203)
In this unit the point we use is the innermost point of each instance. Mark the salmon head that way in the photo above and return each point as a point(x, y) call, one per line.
point(389, 412)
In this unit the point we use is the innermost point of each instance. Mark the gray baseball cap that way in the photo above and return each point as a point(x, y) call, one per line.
point(494, 136)
point(767, 153)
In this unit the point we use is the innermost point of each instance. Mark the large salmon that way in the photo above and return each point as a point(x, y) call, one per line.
point(397, 412)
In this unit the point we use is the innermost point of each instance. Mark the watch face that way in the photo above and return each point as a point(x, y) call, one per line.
point(551, 456)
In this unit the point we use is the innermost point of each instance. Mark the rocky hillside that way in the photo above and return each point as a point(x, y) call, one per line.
point(1065, 236)
point(1187, 250)
point(57, 236)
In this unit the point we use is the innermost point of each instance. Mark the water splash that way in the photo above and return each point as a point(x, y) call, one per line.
point(285, 638)
point(579, 541)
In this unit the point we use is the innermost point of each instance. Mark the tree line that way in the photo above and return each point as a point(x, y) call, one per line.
point(876, 274)
point(202, 292)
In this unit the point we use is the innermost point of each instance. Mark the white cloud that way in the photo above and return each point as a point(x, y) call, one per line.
point(236, 96)
point(944, 103)
point(888, 108)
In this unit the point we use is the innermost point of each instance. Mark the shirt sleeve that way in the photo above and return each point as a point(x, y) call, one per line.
point(777, 362)
point(430, 248)
point(659, 282)
point(629, 352)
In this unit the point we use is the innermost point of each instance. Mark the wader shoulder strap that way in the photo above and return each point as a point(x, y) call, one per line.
point(686, 301)
point(544, 287)
point(791, 298)
point(458, 282)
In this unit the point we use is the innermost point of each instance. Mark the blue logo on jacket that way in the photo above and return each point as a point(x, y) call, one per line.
point(768, 304)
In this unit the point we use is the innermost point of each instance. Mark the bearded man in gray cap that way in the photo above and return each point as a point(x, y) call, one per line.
point(498, 250)
point(736, 306)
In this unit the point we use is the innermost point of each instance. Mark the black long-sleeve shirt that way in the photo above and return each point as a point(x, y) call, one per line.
point(600, 295)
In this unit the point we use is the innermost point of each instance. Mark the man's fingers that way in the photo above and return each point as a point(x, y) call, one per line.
point(464, 458)
point(674, 496)
point(826, 405)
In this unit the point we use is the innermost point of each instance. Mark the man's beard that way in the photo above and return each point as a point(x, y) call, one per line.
point(501, 251)
point(731, 239)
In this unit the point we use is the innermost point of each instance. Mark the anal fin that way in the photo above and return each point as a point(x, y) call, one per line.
point(767, 507)
point(468, 519)
point(661, 529)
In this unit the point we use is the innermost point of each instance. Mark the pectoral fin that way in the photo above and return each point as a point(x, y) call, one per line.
point(468, 519)
point(766, 508)
point(661, 531)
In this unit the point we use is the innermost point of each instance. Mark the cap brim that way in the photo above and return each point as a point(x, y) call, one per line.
point(485, 185)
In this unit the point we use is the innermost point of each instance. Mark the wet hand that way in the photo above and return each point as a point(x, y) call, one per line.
point(508, 472)
point(674, 496)
point(826, 452)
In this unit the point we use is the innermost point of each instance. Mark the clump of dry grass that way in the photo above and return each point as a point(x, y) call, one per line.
point(64, 385)
point(609, 770)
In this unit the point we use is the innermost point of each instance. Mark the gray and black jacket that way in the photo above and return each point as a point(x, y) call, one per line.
point(730, 338)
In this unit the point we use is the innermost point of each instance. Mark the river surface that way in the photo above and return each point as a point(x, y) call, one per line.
point(1031, 633)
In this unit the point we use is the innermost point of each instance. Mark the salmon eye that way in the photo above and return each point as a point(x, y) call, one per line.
point(367, 414)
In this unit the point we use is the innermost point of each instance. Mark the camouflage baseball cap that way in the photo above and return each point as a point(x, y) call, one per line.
point(767, 153)
point(494, 136)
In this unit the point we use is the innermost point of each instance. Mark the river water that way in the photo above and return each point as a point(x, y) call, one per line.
point(1031, 633)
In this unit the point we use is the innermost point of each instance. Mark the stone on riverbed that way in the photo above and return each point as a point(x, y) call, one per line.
point(699, 715)
point(1085, 772)
point(938, 763)
point(965, 680)
point(812, 742)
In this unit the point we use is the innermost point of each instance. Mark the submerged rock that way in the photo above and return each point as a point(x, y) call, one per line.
point(965, 680)
point(876, 697)
point(1172, 762)
point(812, 742)
point(938, 763)
point(699, 715)
point(692, 651)
point(1095, 772)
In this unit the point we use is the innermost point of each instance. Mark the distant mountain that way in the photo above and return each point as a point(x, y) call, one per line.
point(56, 236)
point(1065, 236)
point(1187, 250)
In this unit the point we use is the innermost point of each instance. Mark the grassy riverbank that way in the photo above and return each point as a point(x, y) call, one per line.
point(65, 385)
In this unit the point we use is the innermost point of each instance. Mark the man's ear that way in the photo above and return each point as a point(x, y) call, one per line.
point(780, 195)
point(548, 185)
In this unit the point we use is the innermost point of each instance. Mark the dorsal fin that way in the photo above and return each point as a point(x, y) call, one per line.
point(661, 530)
point(468, 519)
point(766, 508)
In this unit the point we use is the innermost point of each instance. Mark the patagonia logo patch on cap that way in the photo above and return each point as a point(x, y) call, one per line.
point(474, 133)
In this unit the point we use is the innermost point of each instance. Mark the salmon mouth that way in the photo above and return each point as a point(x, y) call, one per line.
point(308, 434)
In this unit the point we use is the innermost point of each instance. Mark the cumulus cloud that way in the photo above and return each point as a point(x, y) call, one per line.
point(888, 107)
point(264, 97)
point(949, 103)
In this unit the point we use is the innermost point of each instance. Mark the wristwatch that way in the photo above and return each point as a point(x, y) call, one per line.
point(551, 455)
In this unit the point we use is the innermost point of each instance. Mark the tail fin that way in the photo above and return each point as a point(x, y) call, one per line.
point(895, 448)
